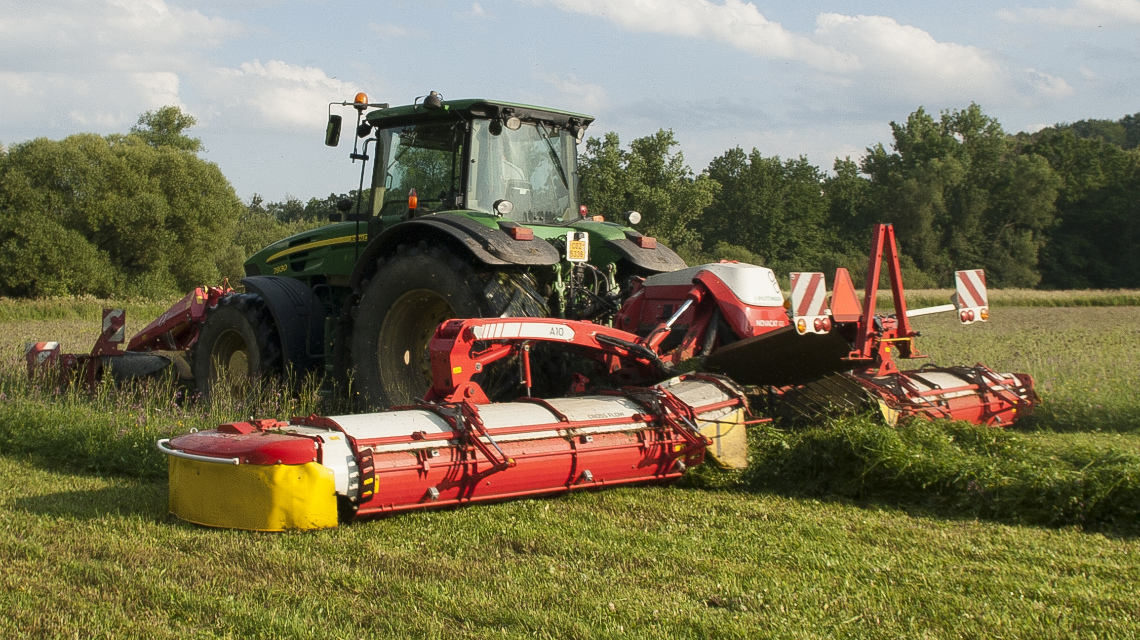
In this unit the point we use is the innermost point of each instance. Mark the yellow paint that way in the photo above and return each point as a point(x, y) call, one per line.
point(891, 416)
point(456, 370)
point(729, 448)
point(254, 497)
point(313, 245)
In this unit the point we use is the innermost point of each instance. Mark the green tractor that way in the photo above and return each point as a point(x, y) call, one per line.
point(471, 209)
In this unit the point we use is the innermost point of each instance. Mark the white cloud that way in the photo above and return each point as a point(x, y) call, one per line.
point(908, 61)
point(389, 30)
point(275, 94)
point(1047, 85)
point(115, 59)
point(1083, 13)
point(158, 88)
point(126, 35)
point(109, 60)
point(866, 59)
point(576, 95)
point(477, 12)
point(736, 23)
point(17, 85)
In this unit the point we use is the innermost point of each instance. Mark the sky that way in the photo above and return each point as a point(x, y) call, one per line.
point(811, 78)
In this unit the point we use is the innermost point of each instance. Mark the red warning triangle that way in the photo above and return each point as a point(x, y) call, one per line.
point(845, 305)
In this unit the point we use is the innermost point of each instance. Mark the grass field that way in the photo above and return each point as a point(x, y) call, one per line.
point(842, 530)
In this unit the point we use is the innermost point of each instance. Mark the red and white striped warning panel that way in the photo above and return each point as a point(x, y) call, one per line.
point(40, 355)
point(970, 297)
point(113, 325)
point(809, 302)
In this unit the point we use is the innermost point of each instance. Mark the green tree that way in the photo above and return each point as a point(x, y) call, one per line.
point(164, 128)
point(650, 178)
point(1124, 133)
point(111, 215)
point(960, 195)
point(772, 208)
point(1096, 240)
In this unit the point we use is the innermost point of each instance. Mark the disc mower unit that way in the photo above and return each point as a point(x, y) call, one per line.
point(268, 475)
point(818, 353)
point(160, 345)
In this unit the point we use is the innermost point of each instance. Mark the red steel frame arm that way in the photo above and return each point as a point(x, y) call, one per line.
point(169, 331)
point(883, 245)
point(454, 359)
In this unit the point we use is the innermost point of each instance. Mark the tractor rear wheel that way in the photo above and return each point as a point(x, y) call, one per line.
point(412, 293)
point(237, 346)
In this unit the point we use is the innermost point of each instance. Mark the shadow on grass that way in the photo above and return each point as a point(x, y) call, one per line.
point(951, 470)
point(141, 499)
point(1073, 417)
point(923, 507)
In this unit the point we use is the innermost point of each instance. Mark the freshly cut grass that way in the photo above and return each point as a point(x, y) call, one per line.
point(636, 562)
point(953, 468)
point(854, 530)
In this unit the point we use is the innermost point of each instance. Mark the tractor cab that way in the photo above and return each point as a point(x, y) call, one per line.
point(509, 161)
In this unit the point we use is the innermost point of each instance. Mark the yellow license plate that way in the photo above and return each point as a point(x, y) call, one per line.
point(576, 251)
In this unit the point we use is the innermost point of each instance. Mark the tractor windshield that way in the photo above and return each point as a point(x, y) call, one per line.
point(426, 157)
point(533, 166)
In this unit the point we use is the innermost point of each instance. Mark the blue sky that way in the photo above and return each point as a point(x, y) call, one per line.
point(821, 79)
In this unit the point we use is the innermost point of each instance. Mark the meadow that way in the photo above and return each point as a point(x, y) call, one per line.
point(842, 529)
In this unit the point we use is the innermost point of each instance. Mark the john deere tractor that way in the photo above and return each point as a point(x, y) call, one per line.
point(466, 208)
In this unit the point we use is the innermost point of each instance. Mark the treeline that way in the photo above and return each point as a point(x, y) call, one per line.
point(130, 215)
point(1059, 208)
point(140, 214)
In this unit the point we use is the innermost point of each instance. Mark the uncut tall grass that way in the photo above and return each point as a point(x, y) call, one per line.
point(113, 427)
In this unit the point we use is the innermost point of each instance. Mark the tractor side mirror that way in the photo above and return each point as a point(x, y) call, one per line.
point(332, 131)
point(343, 206)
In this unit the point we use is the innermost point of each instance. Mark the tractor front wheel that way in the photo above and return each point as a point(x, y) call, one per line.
point(237, 346)
point(412, 293)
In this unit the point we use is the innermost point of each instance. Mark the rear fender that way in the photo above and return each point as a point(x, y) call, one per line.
point(299, 317)
point(658, 259)
point(463, 236)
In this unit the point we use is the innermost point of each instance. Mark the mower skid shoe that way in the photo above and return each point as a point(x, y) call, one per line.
point(782, 357)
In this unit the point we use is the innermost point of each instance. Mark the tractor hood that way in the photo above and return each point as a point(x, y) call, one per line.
point(316, 251)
